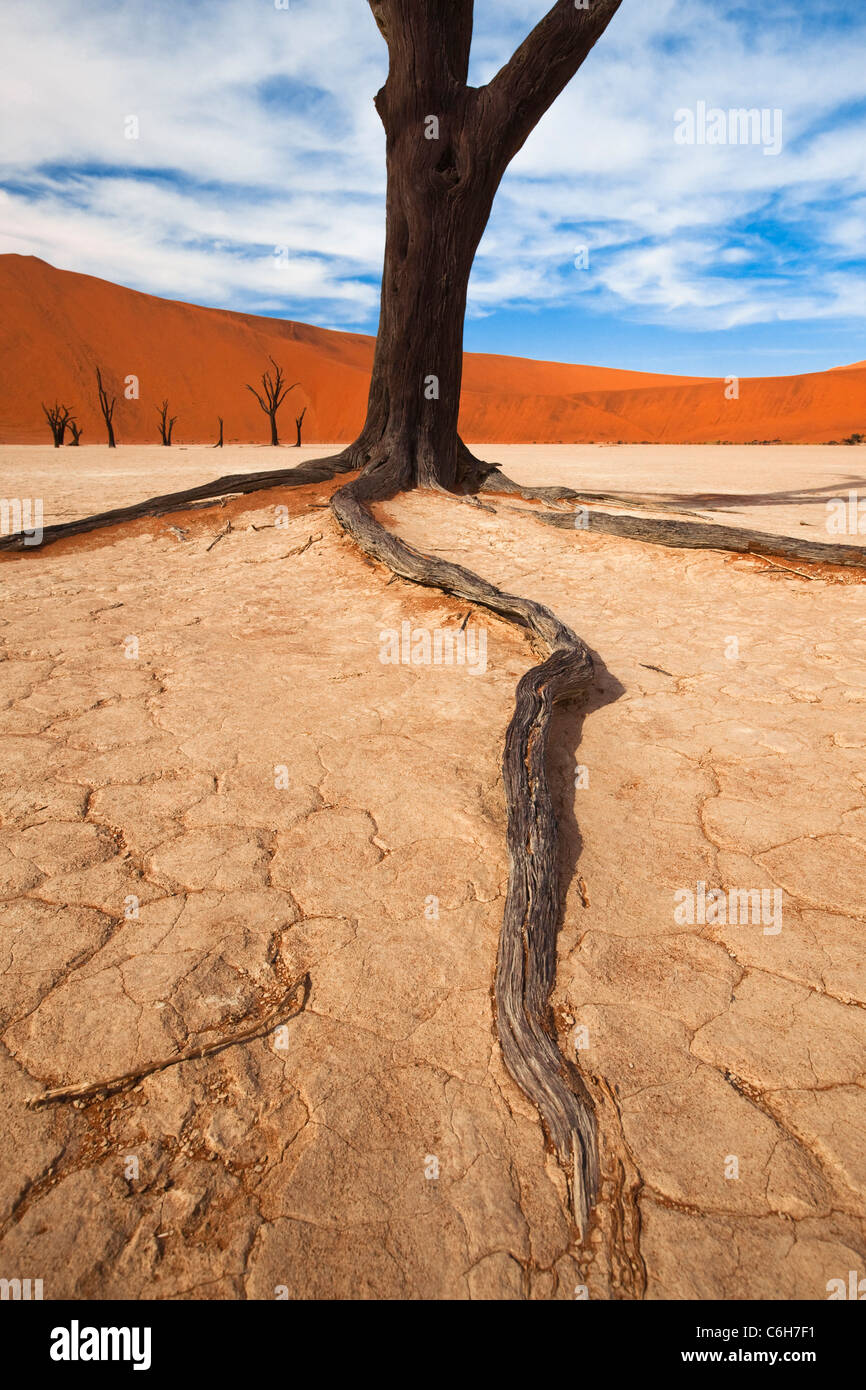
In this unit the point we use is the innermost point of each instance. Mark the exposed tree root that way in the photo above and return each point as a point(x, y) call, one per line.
point(495, 480)
point(526, 966)
point(291, 1004)
point(697, 535)
point(691, 535)
point(315, 471)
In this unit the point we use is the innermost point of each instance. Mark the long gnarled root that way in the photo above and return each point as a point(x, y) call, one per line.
point(315, 471)
point(699, 535)
point(690, 535)
point(526, 966)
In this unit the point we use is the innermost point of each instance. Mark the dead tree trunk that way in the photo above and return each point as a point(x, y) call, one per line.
point(59, 418)
point(447, 148)
point(166, 424)
point(299, 420)
point(76, 431)
point(219, 443)
point(107, 408)
point(272, 395)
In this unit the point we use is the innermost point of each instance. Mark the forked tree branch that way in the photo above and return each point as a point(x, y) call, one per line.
point(58, 417)
point(514, 101)
point(275, 390)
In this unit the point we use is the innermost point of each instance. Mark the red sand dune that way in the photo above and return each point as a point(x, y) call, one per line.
point(56, 326)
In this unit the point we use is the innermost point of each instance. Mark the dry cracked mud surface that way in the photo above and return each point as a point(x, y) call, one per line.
point(211, 786)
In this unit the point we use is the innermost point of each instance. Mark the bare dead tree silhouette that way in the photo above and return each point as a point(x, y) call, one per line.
point(299, 420)
point(107, 408)
point(76, 431)
point(447, 148)
point(219, 443)
point(59, 418)
point(166, 423)
point(275, 392)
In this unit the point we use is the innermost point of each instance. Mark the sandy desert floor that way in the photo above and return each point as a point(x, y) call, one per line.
point(197, 720)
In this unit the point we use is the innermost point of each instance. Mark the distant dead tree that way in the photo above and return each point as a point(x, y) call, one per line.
point(59, 417)
point(275, 393)
point(219, 443)
point(76, 431)
point(107, 408)
point(299, 420)
point(166, 424)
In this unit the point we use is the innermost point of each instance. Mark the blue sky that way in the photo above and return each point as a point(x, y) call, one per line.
point(256, 181)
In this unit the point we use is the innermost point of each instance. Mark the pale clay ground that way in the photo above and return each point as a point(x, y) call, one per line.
point(305, 1167)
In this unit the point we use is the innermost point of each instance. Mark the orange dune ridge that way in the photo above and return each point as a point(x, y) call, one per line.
point(57, 326)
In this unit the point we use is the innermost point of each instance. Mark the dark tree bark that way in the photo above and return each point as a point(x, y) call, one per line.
point(166, 423)
point(59, 418)
point(76, 431)
point(299, 420)
point(107, 408)
point(219, 443)
point(447, 148)
point(272, 395)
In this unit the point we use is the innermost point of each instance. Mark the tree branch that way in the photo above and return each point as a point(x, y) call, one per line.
point(427, 38)
point(265, 408)
point(520, 93)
